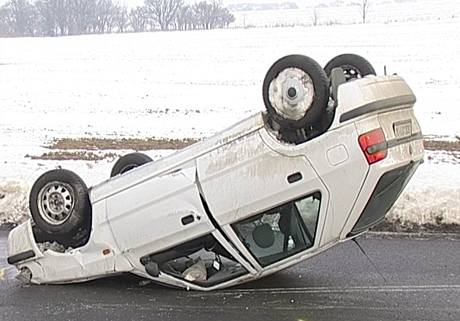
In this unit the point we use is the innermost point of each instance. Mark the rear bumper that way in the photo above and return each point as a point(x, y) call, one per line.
point(371, 95)
point(385, 194)
point(386, 179)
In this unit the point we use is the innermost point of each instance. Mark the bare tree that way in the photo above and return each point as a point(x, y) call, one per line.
point(364, 8)
point(225, 18)
point(5, 22)
point(21, 17)
point(315, 17)
point(205, 14)
point(71, 17)
point(61, 11)
point(104, 16)
point(211, 15)
point(138, 19)
point(185, 19)
point(121, 18)
point(81, 16)
point(163, 12)
point(47, 18)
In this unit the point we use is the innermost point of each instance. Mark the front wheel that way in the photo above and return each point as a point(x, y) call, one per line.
point(129, 162)
point(353, 66)
point(60, 206)
point(295, 92)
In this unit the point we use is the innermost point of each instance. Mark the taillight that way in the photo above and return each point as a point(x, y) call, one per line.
point(373, 145)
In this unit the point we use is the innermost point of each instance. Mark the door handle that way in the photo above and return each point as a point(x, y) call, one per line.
point(294, 177)
point(187, 219)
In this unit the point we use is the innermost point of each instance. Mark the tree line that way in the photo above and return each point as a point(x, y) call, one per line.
point(75, 17)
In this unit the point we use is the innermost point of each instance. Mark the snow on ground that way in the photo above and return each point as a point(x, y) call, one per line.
point(192, 84)
point(347, 12)
point(432, 196)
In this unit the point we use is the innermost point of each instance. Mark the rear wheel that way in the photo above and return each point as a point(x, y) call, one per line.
point(128, 162)
point(60, 207)
point(353, 66)
point(295, 92)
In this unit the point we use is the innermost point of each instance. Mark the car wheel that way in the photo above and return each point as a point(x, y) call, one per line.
point(295, 92)
point(60, 206)
point(128, 162)
point(353, 66)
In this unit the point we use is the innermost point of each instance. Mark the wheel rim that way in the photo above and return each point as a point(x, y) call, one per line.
point(291, 93)
point(351, 72)
point(56, 202)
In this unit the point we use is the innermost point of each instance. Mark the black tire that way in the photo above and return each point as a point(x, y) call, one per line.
point(320, 87)
point(128, 162)
point(353, 66)
point(60, 207)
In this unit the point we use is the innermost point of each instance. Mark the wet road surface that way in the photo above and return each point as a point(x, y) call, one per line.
point(402, 278)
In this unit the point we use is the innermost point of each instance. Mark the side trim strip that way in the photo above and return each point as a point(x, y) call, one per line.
point(400, 141)
point(21, 257)
point(378, 105)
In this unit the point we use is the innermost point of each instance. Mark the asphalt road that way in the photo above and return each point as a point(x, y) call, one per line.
point(403, 278)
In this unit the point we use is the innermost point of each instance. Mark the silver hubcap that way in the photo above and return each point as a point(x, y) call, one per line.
point(291, 93)
point(55, 202)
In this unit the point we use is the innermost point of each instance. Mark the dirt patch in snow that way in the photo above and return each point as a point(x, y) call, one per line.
point(137, 144)
point(440, 151)
point(442, 145)
point(74, 155)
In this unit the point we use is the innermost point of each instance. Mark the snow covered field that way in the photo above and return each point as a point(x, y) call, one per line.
point(348, 12)
point(192, 84)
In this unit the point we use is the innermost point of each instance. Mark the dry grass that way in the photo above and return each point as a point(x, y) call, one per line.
point(122, 143)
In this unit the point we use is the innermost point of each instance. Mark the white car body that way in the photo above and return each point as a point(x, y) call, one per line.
point(210, 189)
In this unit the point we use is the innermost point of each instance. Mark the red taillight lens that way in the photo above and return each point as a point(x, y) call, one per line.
point(374, 145)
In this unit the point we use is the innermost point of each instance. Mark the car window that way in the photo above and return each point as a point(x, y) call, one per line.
point(282, 231)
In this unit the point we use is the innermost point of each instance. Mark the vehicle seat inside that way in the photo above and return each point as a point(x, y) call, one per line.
point(263, 236)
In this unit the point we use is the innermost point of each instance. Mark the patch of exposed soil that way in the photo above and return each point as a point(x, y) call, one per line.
point(137, 144)
point(74, 155)
point(142, 144)
point(442, 145)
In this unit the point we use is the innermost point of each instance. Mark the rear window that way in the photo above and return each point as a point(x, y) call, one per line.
point(282, 231)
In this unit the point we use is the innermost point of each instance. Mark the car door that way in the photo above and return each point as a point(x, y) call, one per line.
point(158, 213)
point(244, 178)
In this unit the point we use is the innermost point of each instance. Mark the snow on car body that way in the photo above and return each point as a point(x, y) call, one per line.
point(244, 204)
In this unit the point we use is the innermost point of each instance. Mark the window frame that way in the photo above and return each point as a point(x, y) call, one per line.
point(299, 217)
